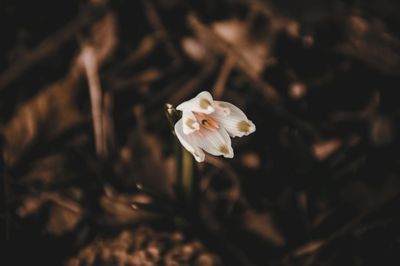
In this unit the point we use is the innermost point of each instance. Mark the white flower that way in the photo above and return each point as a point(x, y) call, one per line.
point(207, 125)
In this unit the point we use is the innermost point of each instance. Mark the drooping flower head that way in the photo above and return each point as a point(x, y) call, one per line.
point(208, 125)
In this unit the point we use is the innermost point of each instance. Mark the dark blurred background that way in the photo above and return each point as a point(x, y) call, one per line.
point(91, 173)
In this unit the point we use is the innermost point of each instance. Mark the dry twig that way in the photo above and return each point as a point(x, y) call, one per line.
point(50, 45)
point(226, 69)
point(160, 31)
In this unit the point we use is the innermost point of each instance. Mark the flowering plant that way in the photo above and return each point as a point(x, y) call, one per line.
point(208, 125)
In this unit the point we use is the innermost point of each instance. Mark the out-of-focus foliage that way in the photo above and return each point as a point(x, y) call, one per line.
point(91, 173)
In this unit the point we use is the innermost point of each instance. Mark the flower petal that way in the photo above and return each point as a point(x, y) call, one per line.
point(221, 109)
point(236, 123)
point(189, 123)
point(215, 142)
point(188, 142)
point(202, 103)
point(205, 95)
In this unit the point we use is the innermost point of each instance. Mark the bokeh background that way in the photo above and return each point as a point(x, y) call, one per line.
point(91, 173)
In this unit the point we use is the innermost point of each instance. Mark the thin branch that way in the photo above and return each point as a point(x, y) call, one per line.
point(108, 123)
point(65, 203)
point(160, 31)
point(192, 85)
point(226, 69)
point(50, 45)
point(220, 46)
point(91, 69)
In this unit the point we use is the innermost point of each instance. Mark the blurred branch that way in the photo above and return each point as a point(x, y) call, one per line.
point(51, 44)
point(146, 77)
point(372, 44)
point(107, 122)
point(160, 31)
point(145, 47)
point(95, 50)
point(68, 204)
point(54, 105)
point(220, 46)
point(191, 85)
point(117, 209)
point(90, 64)
point(223, 75)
